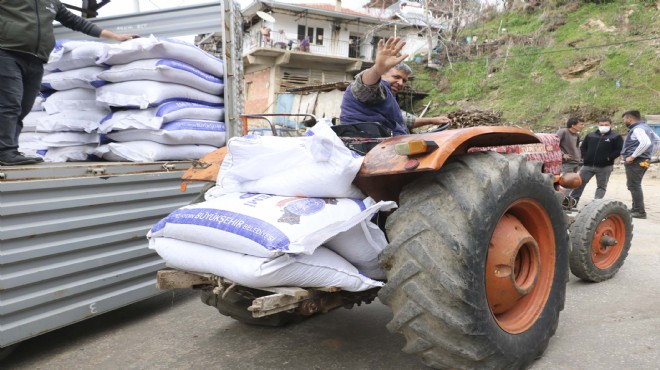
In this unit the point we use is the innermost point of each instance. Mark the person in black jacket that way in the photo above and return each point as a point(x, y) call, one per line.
point(599, 150)
point(26, 40)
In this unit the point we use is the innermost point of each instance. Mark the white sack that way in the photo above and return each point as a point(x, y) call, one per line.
point(59, 139)
point(26, 137)
point(153, 118)
point(30, 143)
point(74, 99)
point(149, 151)
point(68, 55)
point(317, 165)
point(69, 153)
point(38, 101)
point(31, 121)
point(153, 48)
point(265, 225)
point(324, 268)
point(86, 120)
point(361, 246)
point(178, 132)
point(87, 78)
point(164, 70)
point(143, 94)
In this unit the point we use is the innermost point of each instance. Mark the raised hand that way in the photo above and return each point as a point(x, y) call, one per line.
point(388, 54)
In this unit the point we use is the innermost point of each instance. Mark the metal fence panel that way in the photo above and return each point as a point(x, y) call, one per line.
point(72, 248)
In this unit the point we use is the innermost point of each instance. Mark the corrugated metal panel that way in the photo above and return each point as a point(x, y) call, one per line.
point(182, 21)
point(72, 248)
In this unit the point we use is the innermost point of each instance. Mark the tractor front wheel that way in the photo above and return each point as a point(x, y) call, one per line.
point(600, 240)
point(477, 263)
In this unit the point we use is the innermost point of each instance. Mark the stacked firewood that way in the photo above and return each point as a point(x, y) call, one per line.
point(473, 118)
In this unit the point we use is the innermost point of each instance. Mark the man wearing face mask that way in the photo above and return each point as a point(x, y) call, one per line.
point(599, 149)
point(640, 143)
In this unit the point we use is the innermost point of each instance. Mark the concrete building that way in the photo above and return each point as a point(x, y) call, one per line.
point(288, 46)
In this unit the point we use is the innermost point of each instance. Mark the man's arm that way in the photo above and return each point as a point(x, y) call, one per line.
point(440, 120)
point(584, 146)
point(79, 24)
point(366, 87)
point(562, 133)
point(616, 147)
point(107, 34)
point(367, 94)
point(644, 143)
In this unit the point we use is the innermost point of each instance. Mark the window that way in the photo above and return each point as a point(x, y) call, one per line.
point(314, 35)
point(319, 36)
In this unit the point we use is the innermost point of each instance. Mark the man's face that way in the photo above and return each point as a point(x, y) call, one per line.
point(578, 126)
point(396, 78)
point(627, 121)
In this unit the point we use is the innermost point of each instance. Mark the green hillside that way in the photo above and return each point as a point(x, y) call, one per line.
point(537, 68)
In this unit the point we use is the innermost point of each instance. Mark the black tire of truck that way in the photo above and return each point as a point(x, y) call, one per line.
point(600, 240)
point(477, 263)
point(236, 307)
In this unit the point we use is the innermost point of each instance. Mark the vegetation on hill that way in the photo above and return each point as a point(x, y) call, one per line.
point(538, 67)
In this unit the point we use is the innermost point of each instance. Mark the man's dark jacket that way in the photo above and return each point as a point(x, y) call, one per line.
point(27, 25)
point(600, 150)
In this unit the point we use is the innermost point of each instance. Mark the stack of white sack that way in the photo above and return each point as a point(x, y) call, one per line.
point(315, 232)
point(29, 140)
point(67, 126)
point(278, 238)
point(169, 96)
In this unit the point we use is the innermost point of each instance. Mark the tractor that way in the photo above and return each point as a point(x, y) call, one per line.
point(479, 249)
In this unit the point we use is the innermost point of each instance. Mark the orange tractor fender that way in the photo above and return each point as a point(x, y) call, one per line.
point(384, 172)
point(383, 161)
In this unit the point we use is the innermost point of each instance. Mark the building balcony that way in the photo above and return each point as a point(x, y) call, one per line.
point(278, 49)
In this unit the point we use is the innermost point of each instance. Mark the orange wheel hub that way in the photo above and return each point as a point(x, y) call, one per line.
point(520, 266)
point(608, 241)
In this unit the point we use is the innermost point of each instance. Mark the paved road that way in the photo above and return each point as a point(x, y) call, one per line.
point(608, 326)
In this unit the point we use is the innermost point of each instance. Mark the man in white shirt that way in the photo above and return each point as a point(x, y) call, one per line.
point(640, 143)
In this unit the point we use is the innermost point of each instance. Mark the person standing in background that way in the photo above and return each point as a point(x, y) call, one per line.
point(599, 149)
point(569, 143)
point(640, 143)
point(26, 40)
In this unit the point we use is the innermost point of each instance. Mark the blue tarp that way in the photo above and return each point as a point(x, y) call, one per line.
point(285, 105)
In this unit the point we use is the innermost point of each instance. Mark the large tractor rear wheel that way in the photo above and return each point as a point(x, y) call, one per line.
point(477, 263)
point(600, 240)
